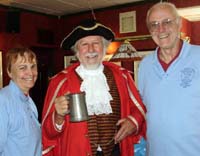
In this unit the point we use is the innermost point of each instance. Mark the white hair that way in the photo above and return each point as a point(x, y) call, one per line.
point(162, 5)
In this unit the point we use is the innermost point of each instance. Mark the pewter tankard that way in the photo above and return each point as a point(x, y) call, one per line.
point(78, 108)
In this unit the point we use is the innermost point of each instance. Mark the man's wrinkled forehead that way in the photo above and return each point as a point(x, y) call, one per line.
point(162, 9)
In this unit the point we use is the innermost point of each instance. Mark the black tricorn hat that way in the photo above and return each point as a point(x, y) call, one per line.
point(87, 27)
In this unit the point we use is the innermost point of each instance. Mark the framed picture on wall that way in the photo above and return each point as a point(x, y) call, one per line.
point(69, 60)
point(136, 64)
point(1, 72)
point(127, 22)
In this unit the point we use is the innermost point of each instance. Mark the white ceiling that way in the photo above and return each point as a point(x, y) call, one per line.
point(63, 7)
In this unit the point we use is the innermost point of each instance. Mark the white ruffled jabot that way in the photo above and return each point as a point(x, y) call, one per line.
point(97, 90)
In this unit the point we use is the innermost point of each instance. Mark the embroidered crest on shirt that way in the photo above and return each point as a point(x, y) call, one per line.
point(187, 75)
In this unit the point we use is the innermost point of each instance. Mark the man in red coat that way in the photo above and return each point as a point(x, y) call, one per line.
point(116, 112)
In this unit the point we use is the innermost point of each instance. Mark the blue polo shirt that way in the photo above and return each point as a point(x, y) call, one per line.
point(172, 99)
point(20, 133)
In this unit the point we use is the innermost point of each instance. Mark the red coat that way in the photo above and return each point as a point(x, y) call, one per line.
point(73, 140)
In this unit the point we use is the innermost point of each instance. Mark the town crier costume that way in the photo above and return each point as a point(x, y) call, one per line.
point(96, 135)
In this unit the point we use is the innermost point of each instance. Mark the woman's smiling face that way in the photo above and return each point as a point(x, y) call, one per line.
point(24, 72)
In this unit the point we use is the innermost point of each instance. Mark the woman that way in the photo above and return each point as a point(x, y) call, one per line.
point(20, 131)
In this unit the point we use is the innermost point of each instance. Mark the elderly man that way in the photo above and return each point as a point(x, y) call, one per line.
point(111, 97)
point(169, 84)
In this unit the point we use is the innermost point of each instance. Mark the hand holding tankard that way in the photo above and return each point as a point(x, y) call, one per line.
point(73, 104)
point(62, 105)
point(78, 107)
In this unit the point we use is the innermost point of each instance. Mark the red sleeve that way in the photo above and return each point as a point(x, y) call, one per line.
point(58, 86)
point(137, 108)
point(49, 133)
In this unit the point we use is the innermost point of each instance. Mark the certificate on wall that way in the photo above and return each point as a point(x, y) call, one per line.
point(69, 60)
point(127, 22)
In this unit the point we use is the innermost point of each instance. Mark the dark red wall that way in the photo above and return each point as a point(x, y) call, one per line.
point(30, 23)
point(195, 32)
point(110, 18)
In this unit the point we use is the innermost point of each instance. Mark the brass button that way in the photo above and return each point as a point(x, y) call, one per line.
point(88, 154)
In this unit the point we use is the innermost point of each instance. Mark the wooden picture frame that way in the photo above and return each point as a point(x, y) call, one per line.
point(68, 60)
point(127, 22)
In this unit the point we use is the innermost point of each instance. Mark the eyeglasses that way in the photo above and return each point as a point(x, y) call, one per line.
point(166, 23)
